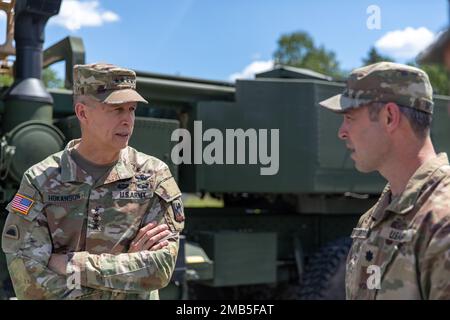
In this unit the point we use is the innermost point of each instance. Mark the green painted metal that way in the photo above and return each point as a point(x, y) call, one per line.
point(312, 159)
point(19, 111)
point(241, 258)
point(314, 229)
point(71, 51)
point(201, 267)
point(34, 141)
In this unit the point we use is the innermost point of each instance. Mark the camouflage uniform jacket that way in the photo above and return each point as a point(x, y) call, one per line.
point(405, 243)
point(65, 212)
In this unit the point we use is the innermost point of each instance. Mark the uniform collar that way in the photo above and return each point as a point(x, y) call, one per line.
point(407, 200)
point(70, 172)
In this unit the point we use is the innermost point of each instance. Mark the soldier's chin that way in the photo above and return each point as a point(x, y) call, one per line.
point(362, 168)
point(124, 145)
point(121, 142)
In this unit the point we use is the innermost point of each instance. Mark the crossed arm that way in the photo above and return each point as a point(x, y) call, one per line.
point(148, 238)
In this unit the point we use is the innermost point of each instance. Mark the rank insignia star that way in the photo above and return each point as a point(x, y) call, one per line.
point(369, 255)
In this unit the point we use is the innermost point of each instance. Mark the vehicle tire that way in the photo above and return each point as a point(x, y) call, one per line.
point(324, 276)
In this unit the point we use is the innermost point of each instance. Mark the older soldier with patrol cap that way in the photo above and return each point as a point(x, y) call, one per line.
point(401, 246)
point(98, 220)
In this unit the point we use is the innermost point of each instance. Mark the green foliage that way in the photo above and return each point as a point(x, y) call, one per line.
point(297, 49)
point(6, 80)
point(373, 56)
point(51, 79)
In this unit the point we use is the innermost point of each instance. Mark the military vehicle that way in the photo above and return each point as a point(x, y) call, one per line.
point(278, 234)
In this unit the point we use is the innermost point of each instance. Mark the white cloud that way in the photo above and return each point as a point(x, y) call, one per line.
point(77, 14)
point(405, 44)
point(250, 70)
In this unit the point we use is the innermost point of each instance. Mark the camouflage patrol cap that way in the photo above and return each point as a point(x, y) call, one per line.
point(106, 83)
point(384, 82)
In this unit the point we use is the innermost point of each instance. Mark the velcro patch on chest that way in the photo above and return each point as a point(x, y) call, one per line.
point(368, 255)
point(63, 197)
point(397, 235)
point(130, 194)
point(360, 233)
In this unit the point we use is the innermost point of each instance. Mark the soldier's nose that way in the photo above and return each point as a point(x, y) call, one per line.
point(342, 132)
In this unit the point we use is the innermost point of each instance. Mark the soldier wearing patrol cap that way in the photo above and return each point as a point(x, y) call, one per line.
point(401, 246)
point(98, 220)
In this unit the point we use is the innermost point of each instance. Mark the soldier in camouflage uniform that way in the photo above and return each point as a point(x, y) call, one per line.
point(98, 220)
point(401, 246)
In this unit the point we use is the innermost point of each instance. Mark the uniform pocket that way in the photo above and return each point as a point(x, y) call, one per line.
point(65, 221)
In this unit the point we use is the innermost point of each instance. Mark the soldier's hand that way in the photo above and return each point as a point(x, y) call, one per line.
point(149, 238)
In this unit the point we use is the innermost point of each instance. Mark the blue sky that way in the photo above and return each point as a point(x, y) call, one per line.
point(215, 39)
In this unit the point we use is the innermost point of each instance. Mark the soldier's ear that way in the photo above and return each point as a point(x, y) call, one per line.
point(80, 111)
point(392, 116)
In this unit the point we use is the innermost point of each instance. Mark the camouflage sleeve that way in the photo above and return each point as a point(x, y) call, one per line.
point(138, 271)
point(435, 275)
point(27, 245)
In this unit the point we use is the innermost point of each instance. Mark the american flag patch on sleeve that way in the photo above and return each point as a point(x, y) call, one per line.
point(21, 204)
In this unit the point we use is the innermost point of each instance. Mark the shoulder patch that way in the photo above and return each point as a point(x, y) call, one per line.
point(174, 215)
point(22, 204)
point(178, 211)
point(12, 232)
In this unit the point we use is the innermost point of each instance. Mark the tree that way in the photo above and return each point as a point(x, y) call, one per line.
point(373, 56)
point(51, 79)
point(297, 49)
point(5, 80)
